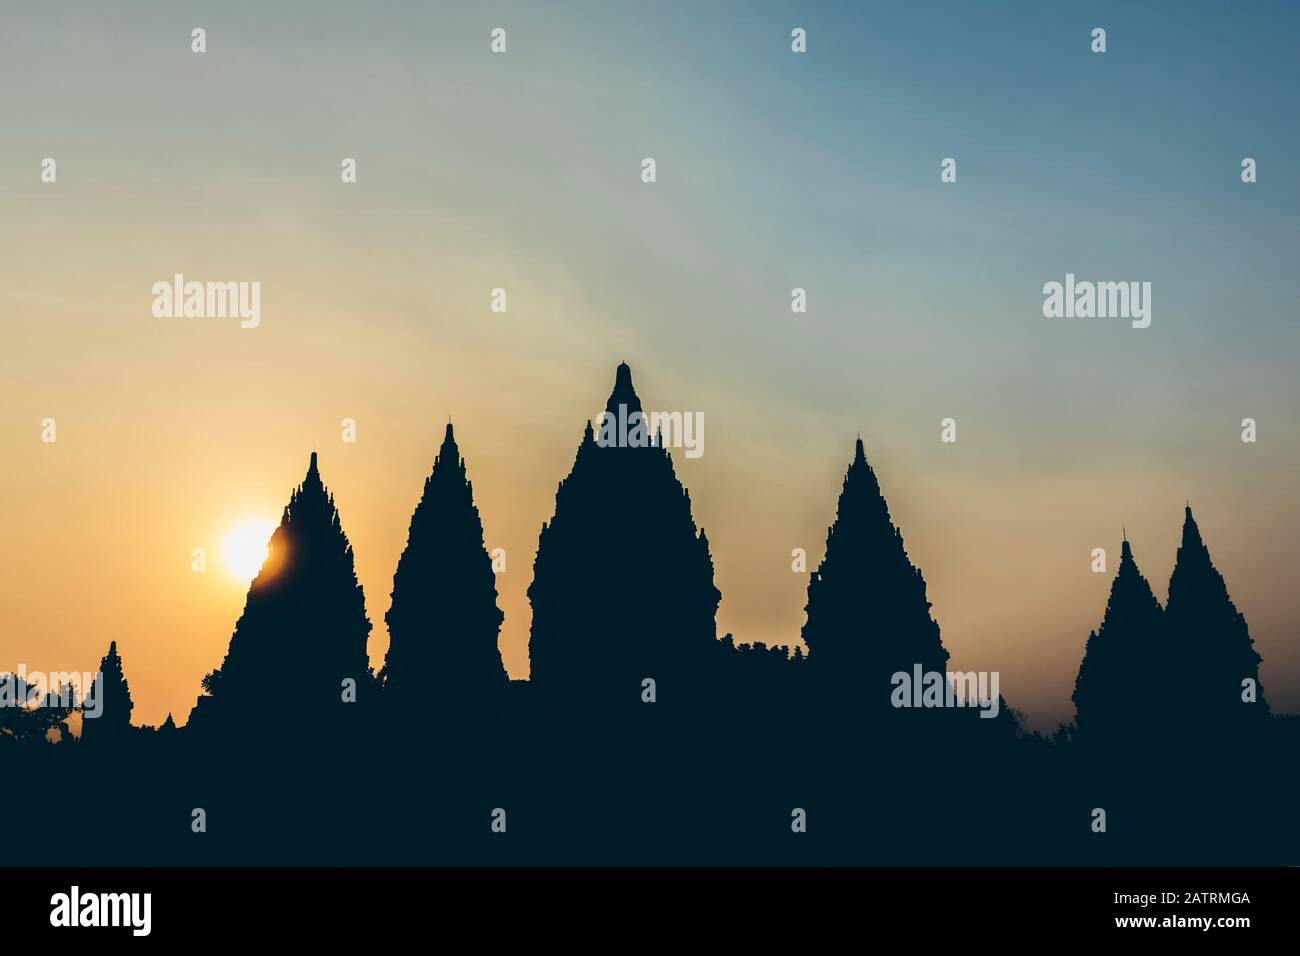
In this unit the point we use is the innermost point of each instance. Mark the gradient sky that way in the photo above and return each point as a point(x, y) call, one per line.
point(522, 171)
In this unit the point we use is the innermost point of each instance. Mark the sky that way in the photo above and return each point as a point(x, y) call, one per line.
point(522, 171)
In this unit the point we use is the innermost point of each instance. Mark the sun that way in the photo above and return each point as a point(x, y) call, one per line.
point(243, 549)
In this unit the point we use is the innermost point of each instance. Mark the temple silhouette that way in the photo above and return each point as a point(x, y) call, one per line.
point(444, 621)
point(304, 621)
point(652, 614)
point(642, 736)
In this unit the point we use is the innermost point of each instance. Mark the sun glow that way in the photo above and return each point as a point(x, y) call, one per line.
point(243, 549)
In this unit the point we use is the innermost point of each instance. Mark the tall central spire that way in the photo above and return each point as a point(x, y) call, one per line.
point(652, 615)
point(623, 393)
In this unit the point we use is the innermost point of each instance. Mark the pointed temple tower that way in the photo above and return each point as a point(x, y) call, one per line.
point(304, 628)
point(623, 582)
point(444, 620)
point(1212, 652)
point(868, 614)
point(1119, 694)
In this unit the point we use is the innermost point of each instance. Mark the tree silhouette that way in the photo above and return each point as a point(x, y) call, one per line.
point(304, 627)
point(112, 699)
point(868, 615)
point(1120, 692)
point(1213, 652)
point(622, 583)
point(28, 717)
point(444, 620)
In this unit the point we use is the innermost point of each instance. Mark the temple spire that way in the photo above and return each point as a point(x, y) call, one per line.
point(304, 614)
point(1216, 653)
point(867, 611)
point(1126, 650)
point(444, 621)
point(624, 392)
point(581, 652)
